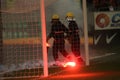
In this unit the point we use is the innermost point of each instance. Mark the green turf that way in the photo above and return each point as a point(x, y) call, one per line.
point(104, 72)
point(107, 68)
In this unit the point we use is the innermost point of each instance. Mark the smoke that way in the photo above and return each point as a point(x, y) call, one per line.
point(61, 7)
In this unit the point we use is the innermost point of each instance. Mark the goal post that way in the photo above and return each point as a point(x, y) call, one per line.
point(85, 32)
point(44, 48)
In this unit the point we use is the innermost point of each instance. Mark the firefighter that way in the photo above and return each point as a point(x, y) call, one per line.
point(57, 32)
point(74, 38)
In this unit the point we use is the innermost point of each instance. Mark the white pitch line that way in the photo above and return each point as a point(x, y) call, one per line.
point(107, 54)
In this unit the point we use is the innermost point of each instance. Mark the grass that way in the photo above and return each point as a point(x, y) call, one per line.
point(102, 71)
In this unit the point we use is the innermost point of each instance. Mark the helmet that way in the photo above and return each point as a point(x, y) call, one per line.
point(55, 16)
point(70, 14)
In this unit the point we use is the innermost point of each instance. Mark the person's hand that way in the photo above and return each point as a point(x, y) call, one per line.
point(47, 44)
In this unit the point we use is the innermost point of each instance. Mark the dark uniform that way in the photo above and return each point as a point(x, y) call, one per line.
point(74, 37)
point(57, 32)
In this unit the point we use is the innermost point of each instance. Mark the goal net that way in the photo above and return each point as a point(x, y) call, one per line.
point(21, 47)
point(21, 34)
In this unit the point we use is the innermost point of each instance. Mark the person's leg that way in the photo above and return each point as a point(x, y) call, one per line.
point(75, 47)
point(55, 51)
point(63, 51)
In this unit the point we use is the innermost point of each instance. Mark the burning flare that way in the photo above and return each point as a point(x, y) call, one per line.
point(71, 64)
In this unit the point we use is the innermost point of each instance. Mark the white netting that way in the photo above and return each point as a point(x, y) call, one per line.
point(22, 53)
point(21, 38)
